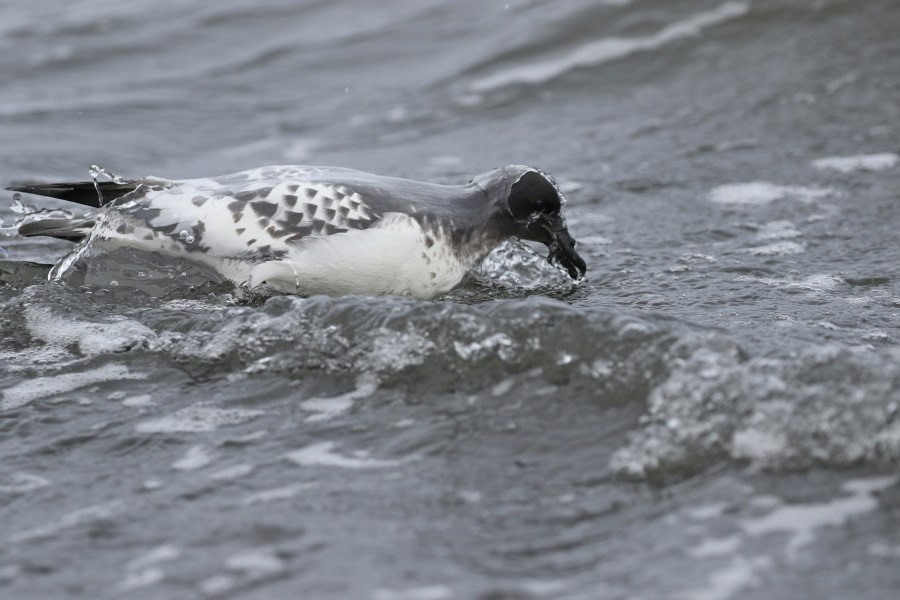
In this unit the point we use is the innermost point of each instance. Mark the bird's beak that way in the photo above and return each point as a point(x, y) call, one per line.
point(562, 246)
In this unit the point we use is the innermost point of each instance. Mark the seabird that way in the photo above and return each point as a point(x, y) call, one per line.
point(317, 230)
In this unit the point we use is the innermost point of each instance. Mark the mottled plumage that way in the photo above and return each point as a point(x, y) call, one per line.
point(328, 230)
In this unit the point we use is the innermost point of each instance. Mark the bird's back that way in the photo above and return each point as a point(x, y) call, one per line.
point(347, 231)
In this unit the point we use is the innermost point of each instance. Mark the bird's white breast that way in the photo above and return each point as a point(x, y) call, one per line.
point(392, 257)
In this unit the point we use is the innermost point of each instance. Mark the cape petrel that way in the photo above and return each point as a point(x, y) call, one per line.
point(319, 230)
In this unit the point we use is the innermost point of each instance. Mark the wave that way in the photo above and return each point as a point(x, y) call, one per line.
point(828, 406)
point(706, 400)
point(605, 50)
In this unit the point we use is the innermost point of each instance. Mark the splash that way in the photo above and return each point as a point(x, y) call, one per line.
point(96, 172)
point(513, 268)
point(28, 213)
point(774, 414)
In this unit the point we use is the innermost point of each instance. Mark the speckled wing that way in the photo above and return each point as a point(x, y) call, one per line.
point(253, 215)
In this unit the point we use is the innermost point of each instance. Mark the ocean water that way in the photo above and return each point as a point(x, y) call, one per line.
point(713, 414)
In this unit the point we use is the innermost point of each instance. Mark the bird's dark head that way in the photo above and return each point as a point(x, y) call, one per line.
point(536, 210)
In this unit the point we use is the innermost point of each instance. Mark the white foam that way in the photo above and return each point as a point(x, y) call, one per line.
point(91, 338)
point(716, 547)
point(820, 282)
point(498, 343)
point(471, 496)
point(21, 482)
point(594, 240)
point(546, 587)
point(322, 454)
point(17, 361)
point(328, 408)
point(777, 230)
point(841, 82)
point(502, 388)
point(396, 350)
point(858, 162)
point(707, 511)
point(140, 579)
point(275, 494)
point(235, 472)
point(195, 458)
point(599, 369)
point(765, 409)
point(876, 335)
point(758, 445)
point(159, 554)
point(777, 249)
point(609, 49)
point(800, 521)
point(256, 563)
point(143, 570)
point(724, 583)
point(25, 392)
point(198, 418)
point(139, 400)
point(97, 512)
point(762, 192)
point(217, 584)
point(430, 592)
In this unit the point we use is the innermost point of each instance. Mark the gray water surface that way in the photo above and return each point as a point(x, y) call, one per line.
point(712, 415)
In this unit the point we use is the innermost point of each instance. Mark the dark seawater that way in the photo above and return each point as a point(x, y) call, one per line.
point(714, 414)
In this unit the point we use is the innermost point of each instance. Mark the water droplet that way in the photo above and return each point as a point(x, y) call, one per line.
point(114, 283)
point(184, 233)
point(189, 239)
point(97, 171)
point(19, 207)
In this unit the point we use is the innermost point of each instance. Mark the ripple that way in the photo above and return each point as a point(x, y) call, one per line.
point(759, 193)
point(859, 162)
point(198, 418)
point(322, 454)
point(606, 50)
point(23, 393)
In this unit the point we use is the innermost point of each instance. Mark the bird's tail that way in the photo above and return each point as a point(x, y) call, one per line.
point(88, 193)
point(73, 230)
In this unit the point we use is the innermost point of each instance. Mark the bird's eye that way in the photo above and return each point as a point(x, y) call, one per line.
point(532, 194)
